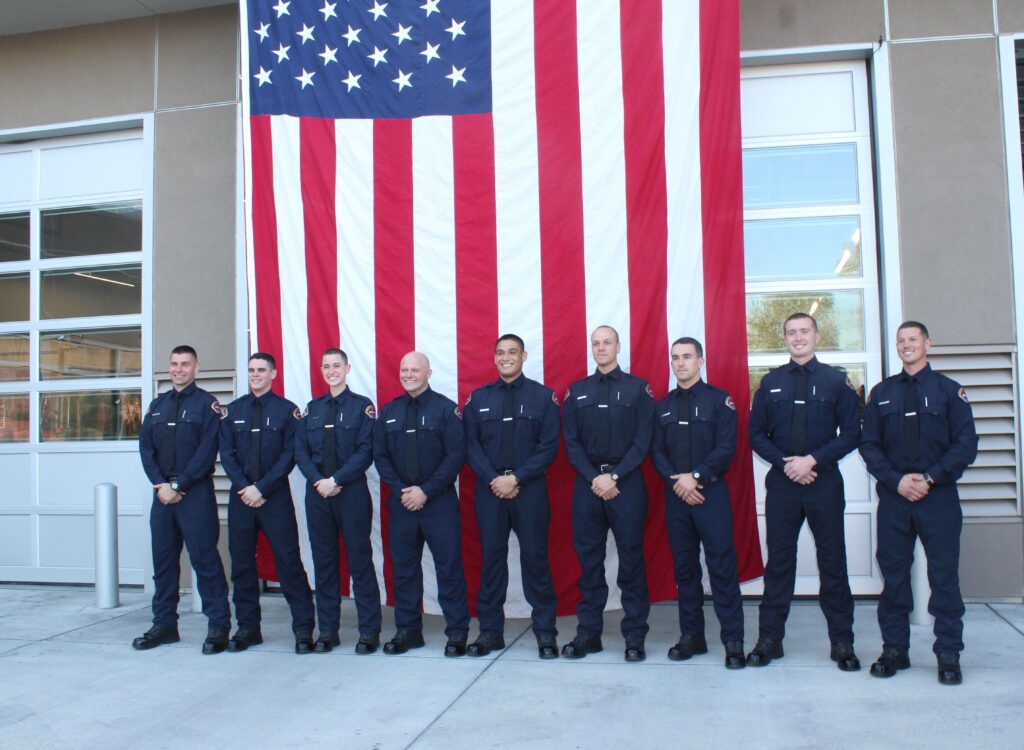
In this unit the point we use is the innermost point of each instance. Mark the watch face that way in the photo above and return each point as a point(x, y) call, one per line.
point(696, 475)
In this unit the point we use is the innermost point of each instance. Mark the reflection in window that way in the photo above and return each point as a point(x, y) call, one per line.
point(91, 230)
point(14, 237)
point(94, 353)
point(90, 415)
point(13, 417)
point(14, 291)
point(858, 374)
point(14, 356)
point(840, 316)
point(802, 248)
point(87, 292)
point(800, 176)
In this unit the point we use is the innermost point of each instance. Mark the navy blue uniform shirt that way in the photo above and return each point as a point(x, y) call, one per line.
point(352, 416)
point(196, 422)
point(949, 442)
point(632, 416)
point(440, 440)
point(536, 423)
point(831, 403)
point(712, 425)
point(276, 433)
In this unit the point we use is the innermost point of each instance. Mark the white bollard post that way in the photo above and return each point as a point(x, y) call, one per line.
point(107, 578)
point(922, 589)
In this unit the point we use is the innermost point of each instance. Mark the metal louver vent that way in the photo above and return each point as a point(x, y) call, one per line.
point(221, 383)
point(991, 486)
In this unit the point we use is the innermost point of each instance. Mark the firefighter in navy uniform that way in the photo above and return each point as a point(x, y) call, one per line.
point(178, 447)
point(694, 444)
point(419, 446)
point(918, 440)
point(333, 448)
point(608, 421)
point(512, 430)
point(257, 450)
point(793, 421)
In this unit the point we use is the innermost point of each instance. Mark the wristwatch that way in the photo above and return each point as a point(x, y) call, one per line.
point(174, 485)
point(696, 476)
point(615, 478)
point(929, 480)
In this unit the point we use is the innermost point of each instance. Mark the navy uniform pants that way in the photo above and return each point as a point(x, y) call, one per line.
point(194, 522)
point(528, 515)
point(437, 524)
point(822, 504)
point(937, 520)
point(276, 519)
point(711, 523)
point(592, 517)
point(350, 515)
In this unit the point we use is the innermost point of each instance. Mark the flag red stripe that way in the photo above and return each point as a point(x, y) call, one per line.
point(394, 285)
point(476, 294)
point(724, 291)
point(317, 158)
point(563, 279)
point(643, 99)
point(264, 246)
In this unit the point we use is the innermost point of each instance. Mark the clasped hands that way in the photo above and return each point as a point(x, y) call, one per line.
point(800, 469)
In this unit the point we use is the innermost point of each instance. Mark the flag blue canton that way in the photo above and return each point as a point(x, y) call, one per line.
point(369, 59)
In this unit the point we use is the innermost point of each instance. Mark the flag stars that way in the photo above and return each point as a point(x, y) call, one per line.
point(328, 10)
point(329, 54)
point(306, 33)
point(306, 79)
point(352, 35)
point(430, 6)
point(352, 81)
point(402, 35)
point(379, 55)
point(456, 29)
point(263, 76)
point(378, 10)
point(402, 80)
point(281, 52)
point(456, 76)
point(262, 31)
point(431, 52)
point(282, 8)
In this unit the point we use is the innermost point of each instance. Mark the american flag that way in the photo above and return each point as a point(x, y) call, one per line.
point(427, 174)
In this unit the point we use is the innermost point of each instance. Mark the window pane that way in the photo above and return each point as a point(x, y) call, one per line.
point(90, 415)
point(86, 292)
point(97, 353)
point(840, 317)
point(13, 237)
point(800, 176)
point(805, 248)
point(13, 297)
point(14, 356)
point(13, 417)
point(857, 372)
point(89, 230)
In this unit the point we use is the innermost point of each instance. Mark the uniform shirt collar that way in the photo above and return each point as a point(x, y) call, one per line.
point(693, 390)
point(920, 376)
point(517, 383)
point(423, 398)
point(188, 390)
point(613, 374)
point(810, 365)
point(264, 399)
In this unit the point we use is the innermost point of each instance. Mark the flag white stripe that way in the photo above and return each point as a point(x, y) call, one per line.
point(681, 45)
point(604, 168)
point(517, 201)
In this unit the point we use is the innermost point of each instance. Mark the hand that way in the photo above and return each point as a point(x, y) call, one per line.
point(913, 487)
point(252, 497)
point(413, 499)
point(687, 489)
point(166, 495)
point(800, 469)
point(327, 487)
point(604, 487)
point(505, 486)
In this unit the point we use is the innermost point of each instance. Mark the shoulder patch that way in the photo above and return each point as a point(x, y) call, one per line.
point(962, 393)
point(730, 403)
point(297, 413)
point(220, 411)
point(647, 390)
point(458, 412)
point(370, 411)
point(554, 397)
